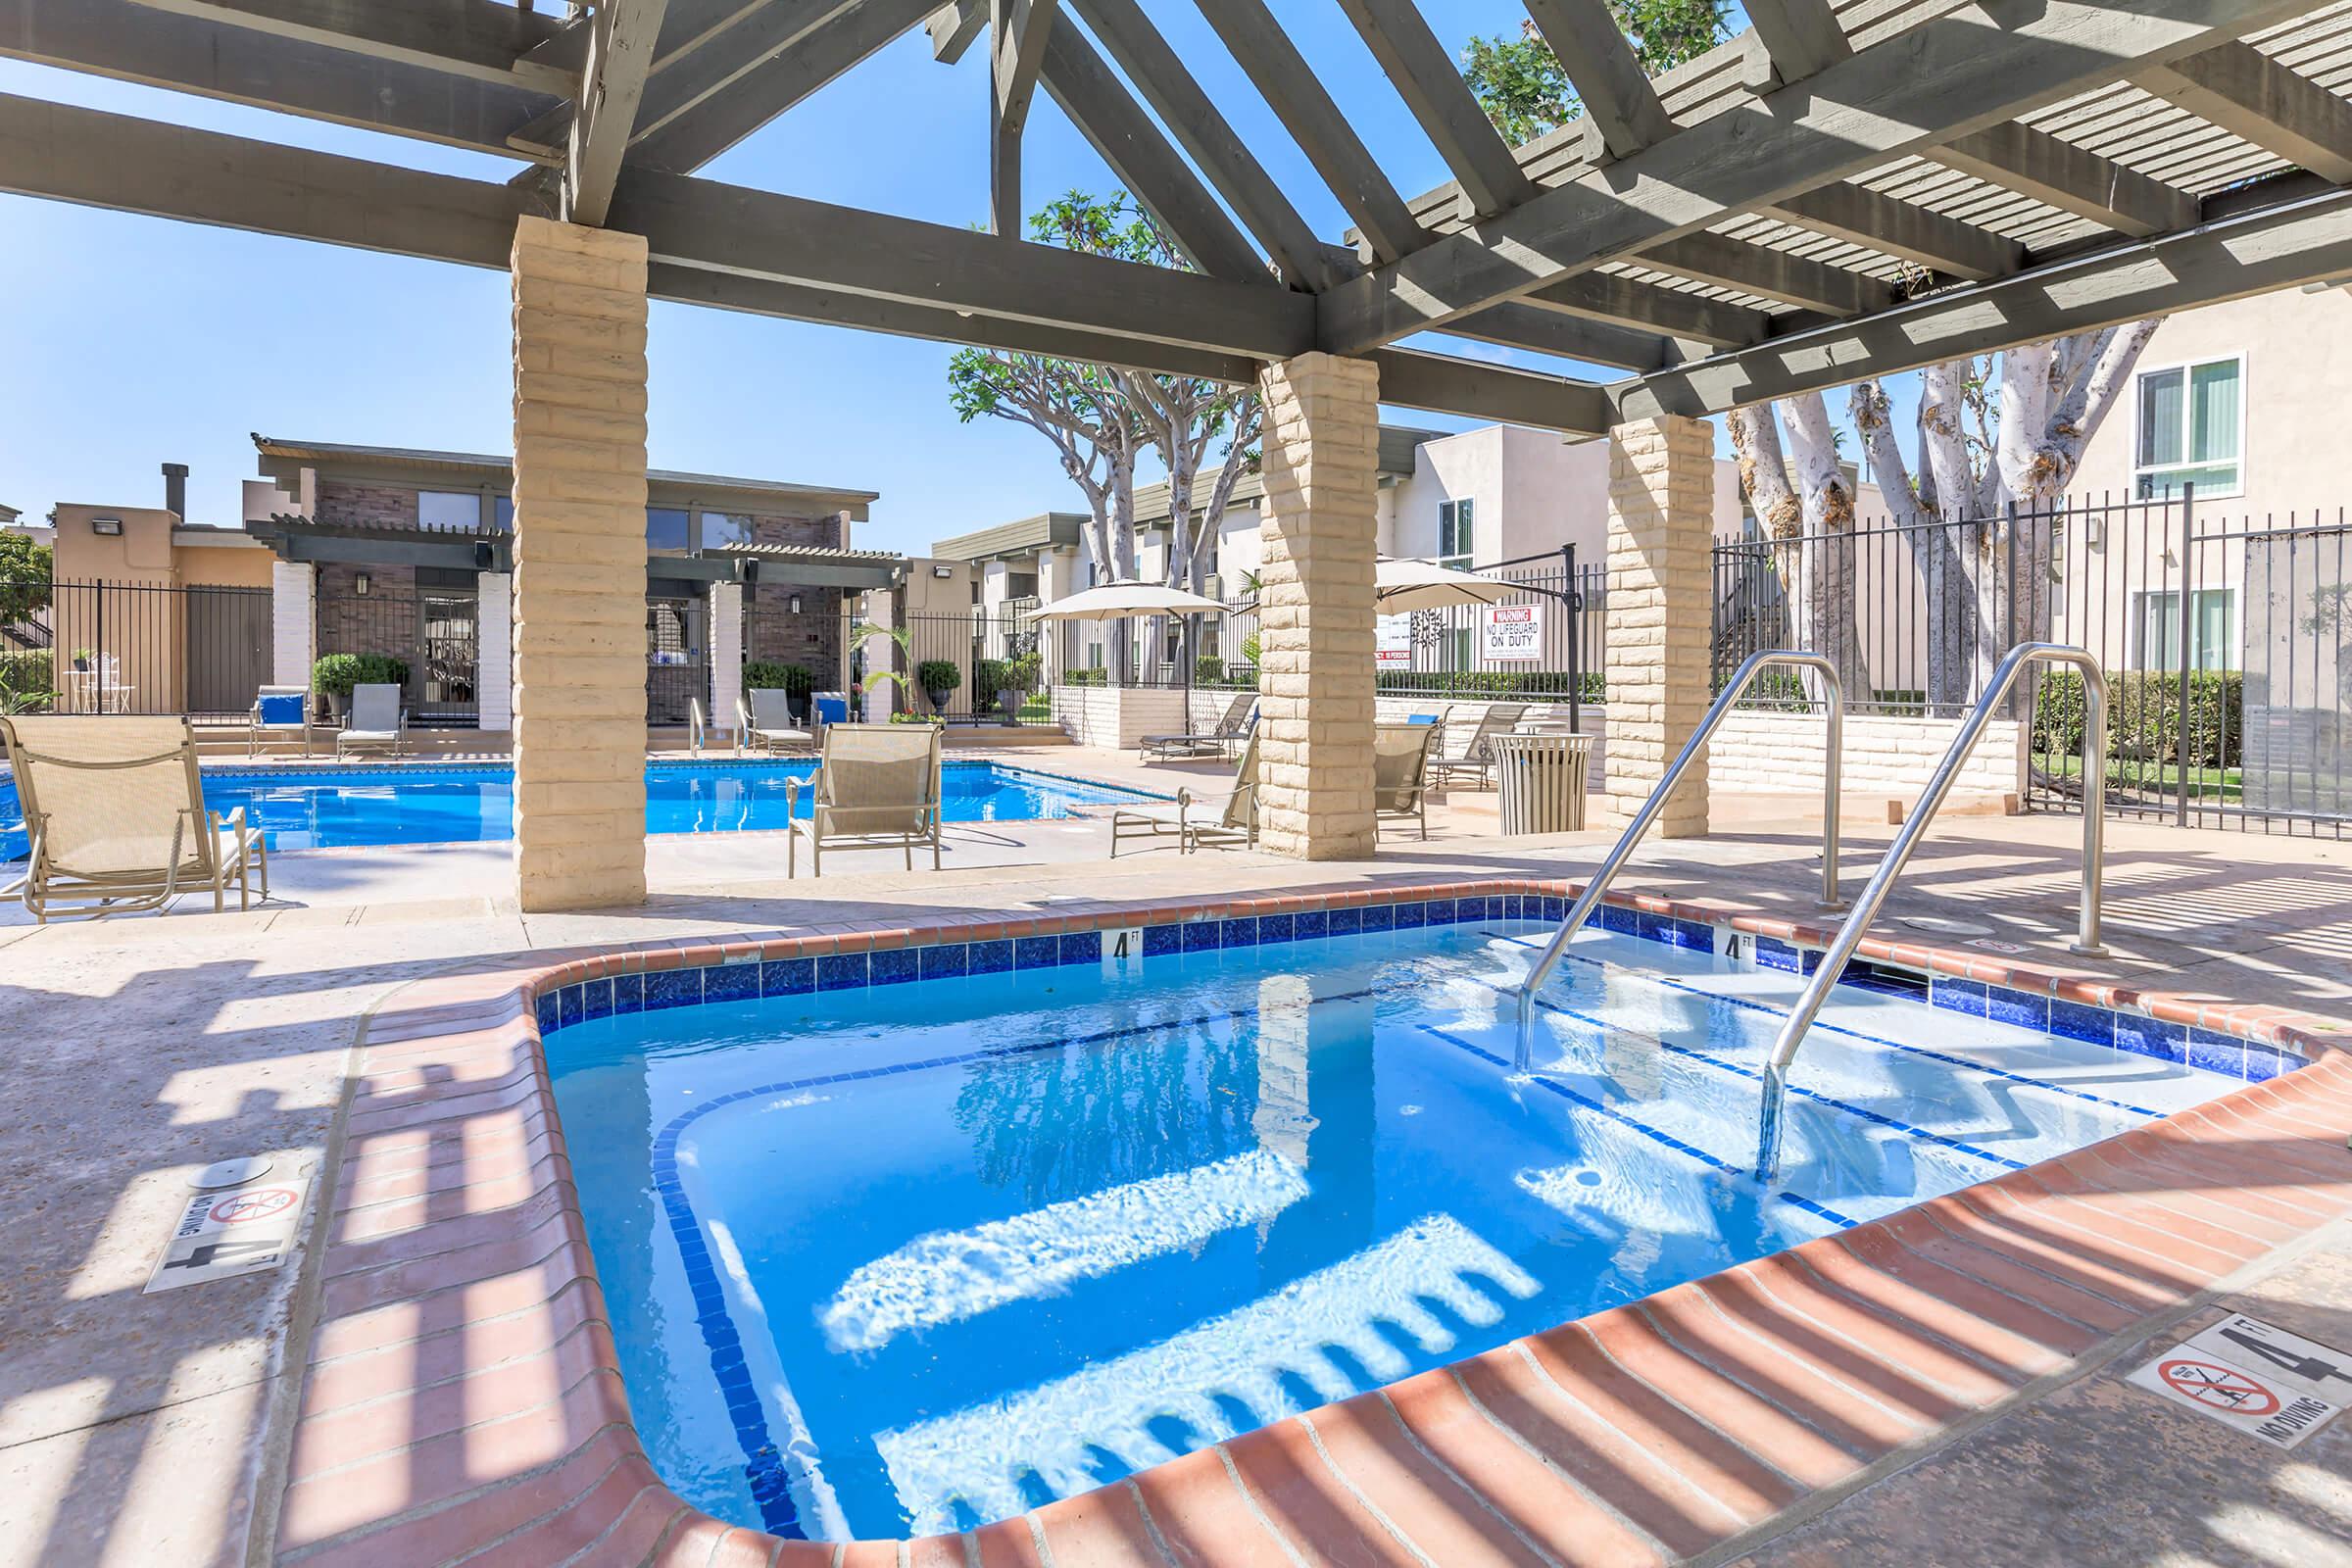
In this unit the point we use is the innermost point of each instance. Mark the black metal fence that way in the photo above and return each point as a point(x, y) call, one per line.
point(2226, 641)
point(105, 646)
point(431, 638)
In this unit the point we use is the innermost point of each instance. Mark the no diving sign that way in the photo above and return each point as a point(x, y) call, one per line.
point(224, 1234)
point(2271, 1385)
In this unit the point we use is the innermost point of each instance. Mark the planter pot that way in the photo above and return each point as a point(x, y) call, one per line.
point(1009, 703)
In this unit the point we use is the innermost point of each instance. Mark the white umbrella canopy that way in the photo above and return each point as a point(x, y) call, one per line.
point(1399, 586)
point(1117, 600)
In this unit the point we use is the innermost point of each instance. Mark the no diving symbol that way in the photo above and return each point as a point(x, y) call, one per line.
point(2221, 1388)
point(242, 1208)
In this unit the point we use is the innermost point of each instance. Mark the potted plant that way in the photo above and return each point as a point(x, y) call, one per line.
point(939, 678)
point(795, 680)
point(82, 660)
point(334, 675)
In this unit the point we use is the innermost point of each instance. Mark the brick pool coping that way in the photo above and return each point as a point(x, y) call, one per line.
point(463, 1399)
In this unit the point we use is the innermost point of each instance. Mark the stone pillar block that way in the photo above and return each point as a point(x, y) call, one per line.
point(293, 621)
point(1661, 520)
point(494, 651)
point(727, 654)
point(579, 566)
point(1316, 533)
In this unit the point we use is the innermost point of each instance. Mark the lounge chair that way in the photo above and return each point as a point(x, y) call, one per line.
point(375, 722)
point(1190, 821)
point(1478, 758)
point(877, 786)
point(1209, 743)
point(1400, 756)
point(114, 813)
point(764, 723)
point(277, 709)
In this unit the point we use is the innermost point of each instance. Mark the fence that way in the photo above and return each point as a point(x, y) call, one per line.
point(431, 635)
point(101, 647)
point(2227, 644)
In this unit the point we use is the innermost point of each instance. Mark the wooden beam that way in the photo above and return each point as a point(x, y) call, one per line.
point(130, 43)
point(1412, 380)
point(2058, 173)
point(1959, 74)
point(729, 228)
point(1863, 217)
point(489, 43)
point(1619, 100)
point(2252, 96)
point(620, 54)
point(1729, 263)
point(953, 27)
point(1201, 129)
point(1292, 89)
point(1672, 312)
point(1521, 325)
point(1017, 35)
point(2228, 258)
point(1800, 38)
point(725, 52)
point(742, 107)
point(1117, 128)
point(1430, 84)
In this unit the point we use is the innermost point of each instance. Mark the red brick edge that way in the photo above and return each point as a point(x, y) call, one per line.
point(463, 1402)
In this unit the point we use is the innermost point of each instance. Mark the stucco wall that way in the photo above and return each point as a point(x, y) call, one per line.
point(1780, 754)
point(1118, 716)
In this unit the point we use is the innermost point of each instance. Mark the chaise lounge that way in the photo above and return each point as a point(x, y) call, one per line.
point(877, 787)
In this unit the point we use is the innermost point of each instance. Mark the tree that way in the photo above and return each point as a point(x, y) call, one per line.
point(24, 573)
point(1525, 92)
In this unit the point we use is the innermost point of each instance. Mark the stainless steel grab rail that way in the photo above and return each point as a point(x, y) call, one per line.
point(1769, 1119)
point(1747, 671)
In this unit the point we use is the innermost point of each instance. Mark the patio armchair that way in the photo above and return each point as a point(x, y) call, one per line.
point(877, 787)
point(275, 710)
point(375, 722)
point(1478, 756)
point(1193, 820)
point(1230, 727)
point(1400, 755)
point(115, 819)
point(765, 724)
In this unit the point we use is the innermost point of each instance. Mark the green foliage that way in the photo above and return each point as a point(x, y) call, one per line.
point(1016, 674)
point(1086, 677)
point(337, 673)
point(1250, 649)
point(25, 572)
point(763, 674)
point(1208, 671)
point(916, 719)
point(1519, 81)
point(1476, 683)
point(27, 681)
point(897, 634)
point(938, 677)
point(2143, 721)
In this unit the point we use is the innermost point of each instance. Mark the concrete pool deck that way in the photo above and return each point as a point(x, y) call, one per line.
point(135, 1429)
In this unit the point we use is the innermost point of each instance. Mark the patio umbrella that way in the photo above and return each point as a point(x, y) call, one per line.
point(1123, 601)
point(1399, 586)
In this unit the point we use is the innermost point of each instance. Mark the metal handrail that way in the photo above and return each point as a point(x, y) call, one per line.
point(1769, 1119)
point(1747, 671)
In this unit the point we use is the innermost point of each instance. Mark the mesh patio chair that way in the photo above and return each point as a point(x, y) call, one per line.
point(1211, 742)
point(276, 710)
point(1400, 756)
point(377, 721)
point(877, 787)
point(1478, 757)
point(1232, 821)
point(764, 723)
point(114, 813)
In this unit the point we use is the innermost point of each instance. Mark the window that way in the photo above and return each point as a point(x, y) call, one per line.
point(667, 530)
point(2212, 643)
point(1454, 534)
point(723, 530)
point(502, 513)
point(2191, 430)
point(450, 511)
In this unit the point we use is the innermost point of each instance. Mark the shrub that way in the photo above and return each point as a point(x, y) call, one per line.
point(1086, 677)
point(1208, 671)
point(938, 677)
point(916, 719)
point(1489, 683)
point(337, 673)
point(2144, 719)
point(28, 680)
point(765, 674)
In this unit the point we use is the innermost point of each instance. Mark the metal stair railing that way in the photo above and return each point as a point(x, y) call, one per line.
point(1749, 667)
point(1770, 1127)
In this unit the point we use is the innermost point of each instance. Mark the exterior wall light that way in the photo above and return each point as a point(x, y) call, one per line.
point(106, 525)
point(359, 584)
point(796, 603)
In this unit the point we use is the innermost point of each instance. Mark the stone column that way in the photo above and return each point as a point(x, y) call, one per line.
point(293, 621)
point(1315, 529)
point(579, 566)
point(1661, 520)
point(494, 651)
point(726, 653)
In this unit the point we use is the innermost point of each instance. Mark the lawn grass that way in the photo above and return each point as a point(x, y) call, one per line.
point(2163, 778)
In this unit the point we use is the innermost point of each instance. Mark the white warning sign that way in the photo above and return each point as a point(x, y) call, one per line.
point(2269, 1383)
point(224, 1234)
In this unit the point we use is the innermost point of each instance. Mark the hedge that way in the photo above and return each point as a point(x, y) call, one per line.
point(2143, 716)
point(1017, 674)
point(1474, 683)
point(337, 673)
point(761, 674)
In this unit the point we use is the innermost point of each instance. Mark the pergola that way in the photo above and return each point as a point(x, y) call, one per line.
point(1853, 187)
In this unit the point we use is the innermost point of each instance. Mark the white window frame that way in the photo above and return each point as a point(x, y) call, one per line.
point(2159, 617)
point(1450, 512)
point(2187, 370)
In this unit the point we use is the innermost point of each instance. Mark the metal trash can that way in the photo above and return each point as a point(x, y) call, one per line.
point(1542, 778)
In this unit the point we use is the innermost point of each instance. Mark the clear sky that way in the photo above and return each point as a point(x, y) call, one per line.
point(128, 342)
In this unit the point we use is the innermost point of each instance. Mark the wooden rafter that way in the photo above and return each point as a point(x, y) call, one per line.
point(1799, 36)
point(620, 55)
point(490, 43)
point(1430, 84)
point(1620, 102)
point(2250, 95)
point(1017, 35)
point(2074, 179)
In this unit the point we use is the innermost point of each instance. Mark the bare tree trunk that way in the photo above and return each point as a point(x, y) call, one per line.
point(1809, 525)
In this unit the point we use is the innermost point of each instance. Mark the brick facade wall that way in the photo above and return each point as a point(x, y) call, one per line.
point(374, 506)
point(771, 631)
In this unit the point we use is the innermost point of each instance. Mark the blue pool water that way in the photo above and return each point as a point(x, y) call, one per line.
point(342, 808)
point(914, 1256)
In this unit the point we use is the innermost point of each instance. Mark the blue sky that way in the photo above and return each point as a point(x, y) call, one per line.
point(131, 341)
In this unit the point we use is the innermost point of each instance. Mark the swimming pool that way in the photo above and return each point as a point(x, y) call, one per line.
point(337, 806)
point(917, 1238)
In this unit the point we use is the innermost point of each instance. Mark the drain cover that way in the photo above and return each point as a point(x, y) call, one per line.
point(1943, 925)
point(231, 1173)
